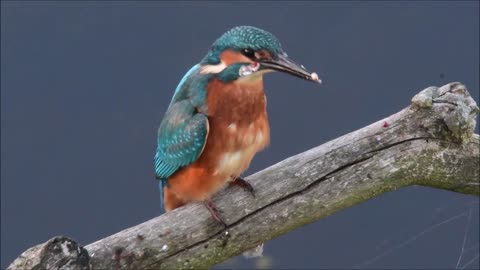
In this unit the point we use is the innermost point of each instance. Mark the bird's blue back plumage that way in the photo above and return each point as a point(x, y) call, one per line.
point(184, 129)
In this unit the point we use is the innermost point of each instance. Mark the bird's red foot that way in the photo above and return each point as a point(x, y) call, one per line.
point(243, 184)
point(214, 212)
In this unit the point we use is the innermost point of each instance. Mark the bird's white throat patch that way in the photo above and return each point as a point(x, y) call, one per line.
point(248, 69)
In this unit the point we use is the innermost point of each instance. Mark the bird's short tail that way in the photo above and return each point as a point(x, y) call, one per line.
point(161, 184)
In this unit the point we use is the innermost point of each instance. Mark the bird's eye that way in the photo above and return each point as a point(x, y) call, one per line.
point(248, 53)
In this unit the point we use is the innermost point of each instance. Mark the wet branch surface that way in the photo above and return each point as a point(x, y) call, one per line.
point(430, 143)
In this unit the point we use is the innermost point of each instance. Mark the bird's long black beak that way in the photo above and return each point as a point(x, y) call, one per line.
point(284, 64)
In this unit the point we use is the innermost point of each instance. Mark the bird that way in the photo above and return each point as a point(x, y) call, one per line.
point(217, 119)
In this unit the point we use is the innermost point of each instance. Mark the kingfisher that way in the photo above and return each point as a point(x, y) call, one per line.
point(217, 119)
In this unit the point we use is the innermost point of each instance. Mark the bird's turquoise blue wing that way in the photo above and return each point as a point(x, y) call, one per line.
point(184, 130)
point(181, 140)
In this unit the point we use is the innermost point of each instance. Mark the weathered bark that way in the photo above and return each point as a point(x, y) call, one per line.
point(57, 253)
point(429, 143)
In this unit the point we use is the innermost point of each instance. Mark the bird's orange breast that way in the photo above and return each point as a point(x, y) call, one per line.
point(238, 130)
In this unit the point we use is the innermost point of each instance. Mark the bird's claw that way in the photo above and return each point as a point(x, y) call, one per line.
point(243, 184)
point(214, 212)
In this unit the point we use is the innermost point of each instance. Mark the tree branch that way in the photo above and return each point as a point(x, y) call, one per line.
point(429, 143)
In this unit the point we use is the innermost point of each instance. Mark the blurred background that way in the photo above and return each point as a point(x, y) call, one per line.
point(84, 86)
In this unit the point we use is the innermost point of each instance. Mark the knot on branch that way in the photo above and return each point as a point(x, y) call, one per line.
point(453, 106)
point(57, 253)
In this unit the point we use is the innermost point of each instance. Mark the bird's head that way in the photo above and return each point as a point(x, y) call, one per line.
point(247, 51)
